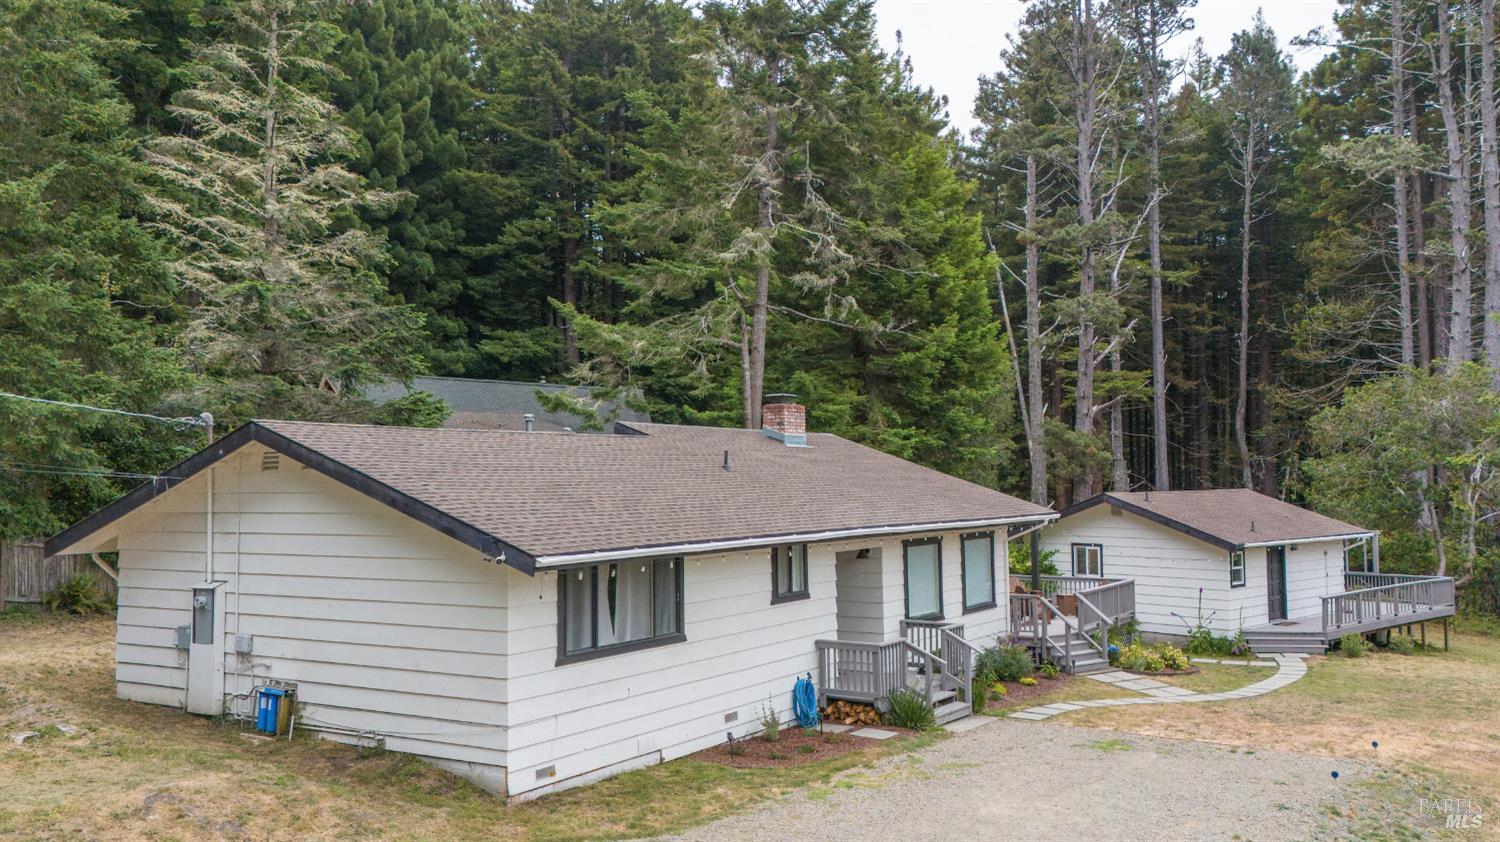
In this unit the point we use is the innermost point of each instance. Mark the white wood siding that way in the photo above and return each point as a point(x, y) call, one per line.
point(1170, 568)
point(385, 624)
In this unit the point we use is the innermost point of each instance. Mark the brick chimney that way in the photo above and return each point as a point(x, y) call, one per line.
point(785, 420)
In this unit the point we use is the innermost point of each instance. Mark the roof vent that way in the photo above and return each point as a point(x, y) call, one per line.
point(530, 422)
point(784, 420)
point(270, 461)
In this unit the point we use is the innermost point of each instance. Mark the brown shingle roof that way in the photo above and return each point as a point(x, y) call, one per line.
point(1229, 517)
point(560, 493)
point(546, 494)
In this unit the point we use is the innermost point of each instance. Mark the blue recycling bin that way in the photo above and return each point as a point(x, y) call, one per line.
point(268, 709)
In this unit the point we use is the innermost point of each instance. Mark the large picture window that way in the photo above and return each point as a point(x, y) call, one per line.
point(789, 572)
point(619, 606)
point(979, 570)
point(924, 579)
point(1088, 560)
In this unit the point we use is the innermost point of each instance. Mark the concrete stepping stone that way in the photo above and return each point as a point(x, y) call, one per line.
point(873, 734)
point(968, 723)
point(837, 727)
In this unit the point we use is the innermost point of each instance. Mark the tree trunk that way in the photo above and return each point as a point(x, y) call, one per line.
point(1085, 112)
point(1037, 443)
point(1490, 174)
point(1158, 327)
point(1398, 130)
point(1459, 292)
point(765, 207)
point(1423, 293)
point(270, 231)
point(1242, 389)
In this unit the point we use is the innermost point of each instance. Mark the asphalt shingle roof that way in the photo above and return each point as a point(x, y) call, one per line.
point(552, 494)
point(1231, 517)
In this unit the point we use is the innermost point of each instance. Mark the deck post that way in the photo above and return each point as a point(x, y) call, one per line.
point(1424, 634)
point(1036, 563)
point(1375, 544)
point(1445, 634)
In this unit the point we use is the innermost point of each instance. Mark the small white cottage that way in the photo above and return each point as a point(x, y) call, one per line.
point(1235, 558)
point(535, 610)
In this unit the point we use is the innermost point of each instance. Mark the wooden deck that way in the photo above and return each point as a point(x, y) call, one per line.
point(1374, 601)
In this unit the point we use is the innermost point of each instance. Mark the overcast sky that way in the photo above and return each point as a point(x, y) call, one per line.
point(953, 42)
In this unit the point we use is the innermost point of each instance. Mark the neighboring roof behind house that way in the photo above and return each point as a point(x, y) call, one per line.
point(1227, 517)
point(554, 497)
point(500, 404)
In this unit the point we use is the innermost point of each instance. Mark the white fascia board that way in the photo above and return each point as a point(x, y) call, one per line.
point(1319, 539)
point(702, 547)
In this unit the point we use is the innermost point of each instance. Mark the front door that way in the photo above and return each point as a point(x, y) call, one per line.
point(1276, 583)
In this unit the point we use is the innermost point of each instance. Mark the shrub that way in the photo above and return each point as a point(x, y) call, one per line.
point(78, 595)
point(1125, 632)
point(1203, 641)
point(1403, 645)
point(1241, 645)
point(1006, 663)
point(1353, 645)
point(806, 748)
point(770, 723)
point(998, 690)
point(1139, 657)
point(909, 709)
point(1050, 670)
point(736, 748)
point(1027, 681)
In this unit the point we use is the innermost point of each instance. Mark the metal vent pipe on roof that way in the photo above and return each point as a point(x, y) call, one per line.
point(530, 421)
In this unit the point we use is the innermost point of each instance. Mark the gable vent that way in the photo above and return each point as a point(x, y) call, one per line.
point(270, 461)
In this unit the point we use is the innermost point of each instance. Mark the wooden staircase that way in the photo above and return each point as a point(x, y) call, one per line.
point(1075, 640)
point(1075, 654)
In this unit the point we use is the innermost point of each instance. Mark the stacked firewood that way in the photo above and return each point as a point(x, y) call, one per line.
point(851, 713)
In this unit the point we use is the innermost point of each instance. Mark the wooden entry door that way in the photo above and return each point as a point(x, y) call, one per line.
point(1276, 583)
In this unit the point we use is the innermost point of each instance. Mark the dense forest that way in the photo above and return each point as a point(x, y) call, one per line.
point(1147, 268)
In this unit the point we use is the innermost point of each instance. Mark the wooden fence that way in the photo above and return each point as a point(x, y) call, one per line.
point(26, 575)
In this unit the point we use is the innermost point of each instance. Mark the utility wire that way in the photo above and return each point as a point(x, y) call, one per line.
point(180, 423)
point(64, 470)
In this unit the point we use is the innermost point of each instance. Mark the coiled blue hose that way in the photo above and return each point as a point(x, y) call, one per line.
point(805, 702)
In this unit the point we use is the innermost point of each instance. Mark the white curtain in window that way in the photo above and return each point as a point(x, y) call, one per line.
point(979, 571)
point(576, 584)
point(922, 597)
point(632, 601)
point(664, 585)
point(797, 553)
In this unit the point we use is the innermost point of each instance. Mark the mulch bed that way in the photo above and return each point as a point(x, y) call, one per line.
point(1019, 694)
point(793, 747)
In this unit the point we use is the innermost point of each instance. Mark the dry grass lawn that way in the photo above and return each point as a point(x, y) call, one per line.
point(1217, 678)
point(137, 771)
point(1437, 712)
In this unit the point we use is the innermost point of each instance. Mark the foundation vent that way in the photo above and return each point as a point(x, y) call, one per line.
point(732, 716)
point(546, 773)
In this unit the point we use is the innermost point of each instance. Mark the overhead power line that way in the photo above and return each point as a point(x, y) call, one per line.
point(204, 420)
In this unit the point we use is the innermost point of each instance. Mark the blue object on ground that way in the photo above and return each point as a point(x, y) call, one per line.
point(805, 702)
point(268, 709)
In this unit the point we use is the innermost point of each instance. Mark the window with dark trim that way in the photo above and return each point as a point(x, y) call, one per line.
point(788, 573)
point(1237, 569)
point(618, 606)
point(922, 568)
point(978, 550)
point(1088, 559)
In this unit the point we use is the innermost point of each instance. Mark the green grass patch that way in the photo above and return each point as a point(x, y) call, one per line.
point(1217, 678)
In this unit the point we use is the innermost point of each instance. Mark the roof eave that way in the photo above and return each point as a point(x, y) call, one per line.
point(729, 544)
point(491, 546)
point(1162, 520)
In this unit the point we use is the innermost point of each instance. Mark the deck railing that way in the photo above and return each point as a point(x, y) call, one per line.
point(1411, 595)
point(860, 672)
point(927, 635)
point(1360, 581)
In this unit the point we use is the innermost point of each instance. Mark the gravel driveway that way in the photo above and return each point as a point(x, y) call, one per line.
point(1021, 780)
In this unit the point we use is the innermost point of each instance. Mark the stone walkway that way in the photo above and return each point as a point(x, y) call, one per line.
point(1290, 668)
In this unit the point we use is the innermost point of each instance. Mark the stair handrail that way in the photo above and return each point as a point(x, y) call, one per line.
point(1102, 645)
point(928, 663)
point(964, 676)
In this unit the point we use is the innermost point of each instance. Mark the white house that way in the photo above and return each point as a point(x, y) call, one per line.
point(535, 610)
point(1236, 559)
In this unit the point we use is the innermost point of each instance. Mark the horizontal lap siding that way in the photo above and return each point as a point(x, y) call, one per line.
point(1313, 570)
point(385, 625)
point(1168, 567)
point(742, 652)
